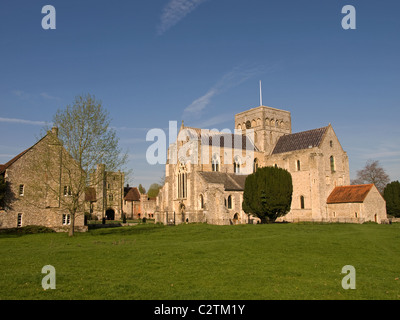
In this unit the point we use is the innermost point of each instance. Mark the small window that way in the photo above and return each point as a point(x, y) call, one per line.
point(331, 143)
point(215, 164)
point(236, 166)
point(332, 163)
point(21, 189)
point(302, 202)
point(110, 197)
point(19, 220)
point(255, 165)
point(201, 202)
point(298, 165)
point(355, 214)
point(67, 191)
point(230, 202)
point(66, 219)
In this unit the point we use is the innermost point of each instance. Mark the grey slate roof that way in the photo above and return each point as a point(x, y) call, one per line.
point(231, 181)
point(299, 140)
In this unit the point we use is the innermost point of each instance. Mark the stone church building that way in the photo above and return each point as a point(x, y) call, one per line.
point(207, 185)
point(40, 182)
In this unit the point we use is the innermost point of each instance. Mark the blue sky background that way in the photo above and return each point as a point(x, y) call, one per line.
point(200, 61)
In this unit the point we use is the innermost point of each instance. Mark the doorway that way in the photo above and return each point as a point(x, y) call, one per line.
point(110, 214)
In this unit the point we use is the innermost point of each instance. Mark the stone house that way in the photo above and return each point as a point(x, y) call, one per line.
point(137, 205)
point(356, 203)
point(41, 180)
point(205, 183)
point(132, 205)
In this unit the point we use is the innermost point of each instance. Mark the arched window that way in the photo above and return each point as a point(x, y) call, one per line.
point(301, 202)
point(201, 202)
point(230, 202)
point(255, 165)
point(236, 165)
point(182, 181)
point(239, 126)
point(332, 163)
point(215, 163)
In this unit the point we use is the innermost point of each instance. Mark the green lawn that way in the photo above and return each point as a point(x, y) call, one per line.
point(198, 261)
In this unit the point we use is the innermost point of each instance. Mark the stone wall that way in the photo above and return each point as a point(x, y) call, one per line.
point(41, 182)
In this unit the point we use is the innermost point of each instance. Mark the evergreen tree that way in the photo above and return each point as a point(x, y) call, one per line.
point(142, 190)
point(392, 197)
point(268, 193)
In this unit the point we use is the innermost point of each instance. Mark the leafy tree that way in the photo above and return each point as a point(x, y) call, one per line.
point(268, 193)
point(392, 196)
point(372, 173)
point(84, 131)
point(153, 191)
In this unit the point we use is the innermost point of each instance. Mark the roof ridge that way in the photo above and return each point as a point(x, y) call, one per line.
point(300, 140)
point(6, 165)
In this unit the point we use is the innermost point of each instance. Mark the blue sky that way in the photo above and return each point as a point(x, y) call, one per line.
point(151, 62)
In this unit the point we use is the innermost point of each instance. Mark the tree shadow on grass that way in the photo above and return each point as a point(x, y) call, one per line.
point(128, 230)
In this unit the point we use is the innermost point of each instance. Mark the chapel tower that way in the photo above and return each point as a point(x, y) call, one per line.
point(268, 124)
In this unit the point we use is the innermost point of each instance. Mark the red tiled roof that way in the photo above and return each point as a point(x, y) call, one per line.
point(345, 194)
point(132, 195)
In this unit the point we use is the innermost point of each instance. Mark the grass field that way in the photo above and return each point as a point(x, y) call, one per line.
point(198, 261)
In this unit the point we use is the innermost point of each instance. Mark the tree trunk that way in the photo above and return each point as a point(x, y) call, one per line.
point(72, 225)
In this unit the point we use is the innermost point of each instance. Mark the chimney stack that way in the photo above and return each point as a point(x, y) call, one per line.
point(54, 130)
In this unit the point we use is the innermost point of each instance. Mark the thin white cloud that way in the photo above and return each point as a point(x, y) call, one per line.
point(23, 121)
point(21, 94)
point(235, 77)
point(48, 97)
point(175, 11)
point(199, 104)
point(213, 121)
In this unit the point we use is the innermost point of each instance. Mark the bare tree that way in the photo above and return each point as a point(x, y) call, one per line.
point(372, 173)
point(85, 138)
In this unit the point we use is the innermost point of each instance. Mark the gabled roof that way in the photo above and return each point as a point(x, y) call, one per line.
point(132, 195)
point(231, 181)
point(300, 140)
point(349, 194)
point(4, 167)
